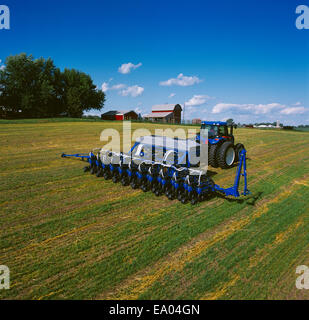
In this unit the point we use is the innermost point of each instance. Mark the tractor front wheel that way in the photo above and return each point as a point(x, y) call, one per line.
point(238, 148)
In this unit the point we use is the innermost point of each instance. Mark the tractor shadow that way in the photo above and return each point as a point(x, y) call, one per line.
point(211, 173)
point(249, 200)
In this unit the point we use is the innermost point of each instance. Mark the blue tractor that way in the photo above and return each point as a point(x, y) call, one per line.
point(222, 151)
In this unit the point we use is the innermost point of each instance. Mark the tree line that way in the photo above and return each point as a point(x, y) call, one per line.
point(36, 88)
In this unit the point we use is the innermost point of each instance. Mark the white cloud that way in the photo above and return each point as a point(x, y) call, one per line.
point(128, 67)
point(293, 110)
point(132, 91)
point(172, 95)
point(105, 86)
point(118, 86)
point(123, 89)
point(190, 110)
point(138, 110)
point(297, 103)
point(181, 80)
point(247, 108)
point(197, 100)
point(3, 66)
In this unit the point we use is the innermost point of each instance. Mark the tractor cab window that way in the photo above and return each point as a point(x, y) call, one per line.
point(212, 130)
point(222, 131)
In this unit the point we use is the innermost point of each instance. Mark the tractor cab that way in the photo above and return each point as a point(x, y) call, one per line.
point(220, 139)
point(217, 131)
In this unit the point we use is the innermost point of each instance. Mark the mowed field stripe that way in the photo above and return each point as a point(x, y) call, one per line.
point(254, 260)
point(208, 273)
point(72, 231)
point(176, 262)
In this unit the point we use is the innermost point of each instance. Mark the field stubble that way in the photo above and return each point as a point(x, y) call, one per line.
point(66, 234)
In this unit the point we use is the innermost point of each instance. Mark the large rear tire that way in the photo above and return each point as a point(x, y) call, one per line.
point(226, 155)
point(212, 156)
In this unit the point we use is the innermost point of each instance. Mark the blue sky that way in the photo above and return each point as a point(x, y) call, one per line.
point(243, 59)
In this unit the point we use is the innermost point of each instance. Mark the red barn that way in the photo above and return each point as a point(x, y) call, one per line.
point(119, 115)
point(165, 113)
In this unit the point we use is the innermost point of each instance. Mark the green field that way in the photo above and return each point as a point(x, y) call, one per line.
point(66, 234)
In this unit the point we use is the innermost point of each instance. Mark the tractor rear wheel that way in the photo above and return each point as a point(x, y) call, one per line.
point(212, 156)
point(238, 148)
point(226, 155)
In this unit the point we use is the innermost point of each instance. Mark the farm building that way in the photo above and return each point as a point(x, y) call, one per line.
point(119, 115)
point(165, 113)
point(196, 121)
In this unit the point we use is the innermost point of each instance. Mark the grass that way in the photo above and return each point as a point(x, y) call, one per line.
point(65, 234)
point(303, 129)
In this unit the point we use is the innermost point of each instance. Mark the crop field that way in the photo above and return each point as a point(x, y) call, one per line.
point(66, 234)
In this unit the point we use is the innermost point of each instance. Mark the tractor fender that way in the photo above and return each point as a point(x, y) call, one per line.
point(215, 141)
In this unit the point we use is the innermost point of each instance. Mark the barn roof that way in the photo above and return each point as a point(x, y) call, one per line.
point(110, 113)
point(125, 111)
point(158, 114)
point(118, 112)
point(163, 107)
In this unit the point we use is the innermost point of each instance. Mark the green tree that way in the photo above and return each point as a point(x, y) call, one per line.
point(79, 93)
point(26, 85)
point(36, 88)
